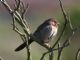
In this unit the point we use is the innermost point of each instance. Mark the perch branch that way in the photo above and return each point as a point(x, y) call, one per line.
point(66, 43)
point(64, 26)
point(51, 55)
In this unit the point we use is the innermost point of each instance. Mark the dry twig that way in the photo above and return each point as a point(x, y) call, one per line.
point(78, 54)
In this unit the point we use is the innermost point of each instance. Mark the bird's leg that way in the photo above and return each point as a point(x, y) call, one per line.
point(47, 44)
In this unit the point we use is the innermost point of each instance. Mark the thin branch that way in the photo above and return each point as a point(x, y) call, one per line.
point(78, 54)
point(24, 9)
point(43, 56)
point(6, 6)
point(51, 55)
point(65, 24)
point(64, 14)
point(17, 30)
point(17, 17)
point(59, 52)
point(24, 40)
point(17, 4)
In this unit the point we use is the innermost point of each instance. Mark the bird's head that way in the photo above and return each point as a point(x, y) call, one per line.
point(53, 22)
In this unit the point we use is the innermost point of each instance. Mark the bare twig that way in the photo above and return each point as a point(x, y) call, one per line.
point(78, 54)
point(6, 6)
point(17, 4)
point(18, 18)
point(60, 50)
point(51, 55)
point(24, 9)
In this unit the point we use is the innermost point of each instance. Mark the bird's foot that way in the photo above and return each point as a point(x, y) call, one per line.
point(47, 45)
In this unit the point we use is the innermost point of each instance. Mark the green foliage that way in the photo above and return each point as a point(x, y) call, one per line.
point(75, 17)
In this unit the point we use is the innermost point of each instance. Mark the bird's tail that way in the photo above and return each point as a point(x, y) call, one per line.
point(23, 45)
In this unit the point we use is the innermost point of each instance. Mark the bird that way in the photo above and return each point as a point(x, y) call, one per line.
point(45, 32)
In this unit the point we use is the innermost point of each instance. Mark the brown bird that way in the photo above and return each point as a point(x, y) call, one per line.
point(45, 32)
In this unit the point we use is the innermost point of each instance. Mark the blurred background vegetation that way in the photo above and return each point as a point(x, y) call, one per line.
point(39, 11)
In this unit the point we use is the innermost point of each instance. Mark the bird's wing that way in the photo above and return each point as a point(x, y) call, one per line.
point(45, 33)
point(41, 26)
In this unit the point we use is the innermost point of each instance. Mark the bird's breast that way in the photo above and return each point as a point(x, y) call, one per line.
point(54, 31)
